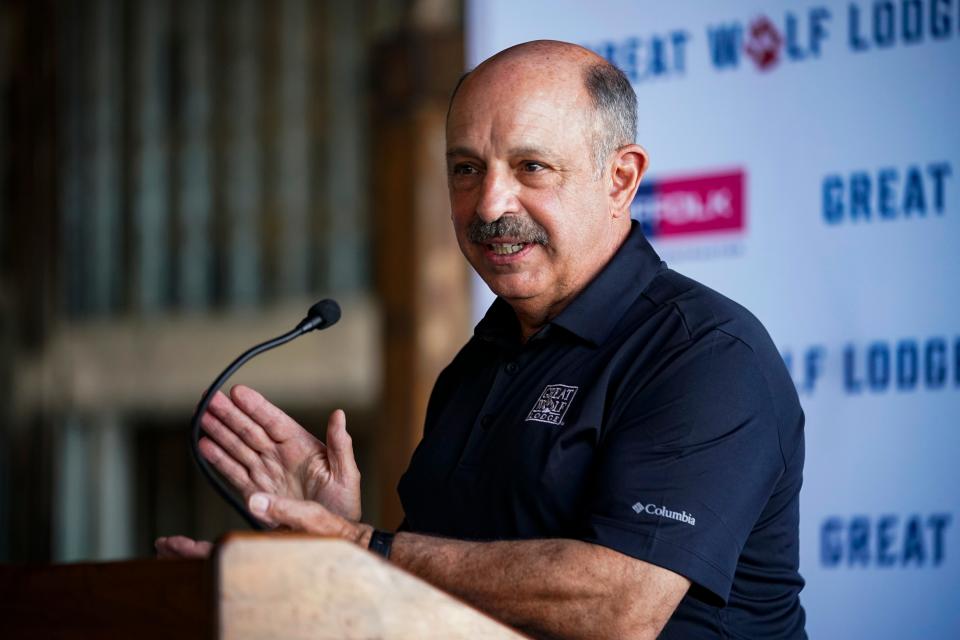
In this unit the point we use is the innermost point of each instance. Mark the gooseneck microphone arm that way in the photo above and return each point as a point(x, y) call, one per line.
point(322, 315)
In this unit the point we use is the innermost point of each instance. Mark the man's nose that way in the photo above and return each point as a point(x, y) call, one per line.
point(498, 196)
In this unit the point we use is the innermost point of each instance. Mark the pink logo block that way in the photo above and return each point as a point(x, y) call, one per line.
point(698, 204)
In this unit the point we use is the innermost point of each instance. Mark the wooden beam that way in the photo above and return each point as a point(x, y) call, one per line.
point(163, 363)
point(422, 279)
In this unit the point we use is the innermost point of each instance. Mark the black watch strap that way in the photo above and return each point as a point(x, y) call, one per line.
point(381, 542)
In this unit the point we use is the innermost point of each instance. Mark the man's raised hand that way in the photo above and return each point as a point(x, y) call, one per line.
point(259, 448)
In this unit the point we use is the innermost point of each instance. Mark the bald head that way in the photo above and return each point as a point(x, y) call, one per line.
point(609, 92)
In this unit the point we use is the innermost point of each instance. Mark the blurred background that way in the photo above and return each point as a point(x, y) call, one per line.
point(181, 179)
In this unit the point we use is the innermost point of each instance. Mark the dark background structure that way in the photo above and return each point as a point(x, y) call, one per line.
point(181, 179)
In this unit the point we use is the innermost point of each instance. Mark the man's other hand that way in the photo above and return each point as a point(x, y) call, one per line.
point(182, 547)
point(259, 448)
point(308, 517)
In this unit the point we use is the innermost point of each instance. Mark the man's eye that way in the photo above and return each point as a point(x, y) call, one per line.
point(533, 167)
point(464, 170)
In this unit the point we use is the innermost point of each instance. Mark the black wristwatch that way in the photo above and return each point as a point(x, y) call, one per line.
point(381, 542)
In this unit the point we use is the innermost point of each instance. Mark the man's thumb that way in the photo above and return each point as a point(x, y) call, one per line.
point(298, 515)
point(259, 505)
point(341, 445)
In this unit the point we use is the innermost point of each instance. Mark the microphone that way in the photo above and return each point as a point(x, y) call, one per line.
point(322, 315)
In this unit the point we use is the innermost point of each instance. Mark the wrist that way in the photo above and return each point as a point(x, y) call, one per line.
point(381, 543)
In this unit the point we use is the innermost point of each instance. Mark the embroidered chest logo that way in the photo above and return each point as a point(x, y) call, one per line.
point(553, 404)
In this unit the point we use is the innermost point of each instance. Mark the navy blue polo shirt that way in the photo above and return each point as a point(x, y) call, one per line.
point(652, 416)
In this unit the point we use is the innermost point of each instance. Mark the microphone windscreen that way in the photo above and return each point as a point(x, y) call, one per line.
point(327, 309)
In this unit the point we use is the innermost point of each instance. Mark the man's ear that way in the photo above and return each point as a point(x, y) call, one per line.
point(629, 165)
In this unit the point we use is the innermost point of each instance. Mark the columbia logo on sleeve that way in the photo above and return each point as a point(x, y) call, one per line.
point(663, 512)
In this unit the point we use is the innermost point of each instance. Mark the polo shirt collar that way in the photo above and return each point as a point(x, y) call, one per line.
point(595, 312)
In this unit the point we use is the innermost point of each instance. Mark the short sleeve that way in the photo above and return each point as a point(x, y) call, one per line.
point(687, 462)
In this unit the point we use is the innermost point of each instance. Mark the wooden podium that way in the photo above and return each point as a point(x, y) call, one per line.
point(255, 586)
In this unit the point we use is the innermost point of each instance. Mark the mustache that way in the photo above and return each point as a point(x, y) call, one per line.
point(522, 228)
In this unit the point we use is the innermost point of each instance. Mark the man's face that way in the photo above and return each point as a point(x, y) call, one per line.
point(519, 151)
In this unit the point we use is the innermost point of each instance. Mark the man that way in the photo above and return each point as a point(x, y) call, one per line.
point(617, 452)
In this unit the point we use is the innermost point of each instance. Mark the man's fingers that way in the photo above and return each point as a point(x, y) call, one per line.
point(182, 547)
point(229, 441)
point(229, 468)
point(248, 430)
point(340, 446)
point(277, 425)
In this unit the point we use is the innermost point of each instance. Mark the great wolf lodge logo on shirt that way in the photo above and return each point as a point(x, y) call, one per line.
point(553, 403)
point(708, 203)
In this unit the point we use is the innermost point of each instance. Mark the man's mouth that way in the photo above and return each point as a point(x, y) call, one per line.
point(503, 249)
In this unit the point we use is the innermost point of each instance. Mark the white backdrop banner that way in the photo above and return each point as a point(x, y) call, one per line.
point(805, 161)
